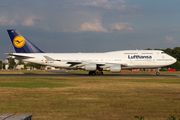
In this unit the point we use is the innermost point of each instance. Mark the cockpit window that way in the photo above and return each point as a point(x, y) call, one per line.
point(162, 53)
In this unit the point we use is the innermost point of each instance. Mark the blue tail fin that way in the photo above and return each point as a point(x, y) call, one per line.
point(21, 44)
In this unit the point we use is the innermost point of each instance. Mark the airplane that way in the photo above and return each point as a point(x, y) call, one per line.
point(94, 63)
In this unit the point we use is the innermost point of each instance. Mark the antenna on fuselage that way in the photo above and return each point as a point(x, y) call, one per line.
point(130, 46)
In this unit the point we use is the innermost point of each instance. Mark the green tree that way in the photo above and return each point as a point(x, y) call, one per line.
point(34, 65)
point(175, 66)
point(176, 53)
point(20, 62)
point(158, 49)
point(148, 49)
point(12, 63)
point(168, 51)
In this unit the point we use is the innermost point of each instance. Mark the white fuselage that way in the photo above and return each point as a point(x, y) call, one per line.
point(129, 59)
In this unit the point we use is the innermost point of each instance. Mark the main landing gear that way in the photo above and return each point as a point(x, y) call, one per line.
point(95, 73)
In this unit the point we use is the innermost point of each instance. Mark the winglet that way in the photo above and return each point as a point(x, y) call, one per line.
point(21, 44)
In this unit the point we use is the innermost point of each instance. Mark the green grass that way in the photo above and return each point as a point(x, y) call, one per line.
point(25, 72)
point(32, 85)
point(86, 98)
point(32, 82)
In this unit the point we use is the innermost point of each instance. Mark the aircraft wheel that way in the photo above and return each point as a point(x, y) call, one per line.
point(100, 73)
point(157, 73)
point(93, 73)
point(96, 72)
point(90, 72)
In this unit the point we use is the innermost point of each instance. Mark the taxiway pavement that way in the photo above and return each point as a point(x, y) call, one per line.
point(68, 74)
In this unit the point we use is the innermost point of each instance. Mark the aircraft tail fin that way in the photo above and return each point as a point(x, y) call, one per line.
point(22, 44)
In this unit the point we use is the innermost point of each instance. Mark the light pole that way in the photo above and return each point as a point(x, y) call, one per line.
point(10, 48)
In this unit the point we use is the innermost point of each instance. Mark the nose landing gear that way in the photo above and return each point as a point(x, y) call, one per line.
point(158, 73)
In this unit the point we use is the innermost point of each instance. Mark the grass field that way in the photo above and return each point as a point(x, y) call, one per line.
point(86, 98)
point(25, 72)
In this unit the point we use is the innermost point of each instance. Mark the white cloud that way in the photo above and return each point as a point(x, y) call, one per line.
point(3, 20)
point(172, 30)
point(170, 39)
point(120, 26)
point(12, 22)
point(78, 15)
point(130, 16)
point(104, 4)
point(93, 27)
point(65, 30)
point(30, 21)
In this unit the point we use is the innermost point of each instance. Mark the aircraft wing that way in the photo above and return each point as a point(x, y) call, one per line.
point(100, 64)
point(82, 63)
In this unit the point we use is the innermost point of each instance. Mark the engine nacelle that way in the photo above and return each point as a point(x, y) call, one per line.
point(115, 68)
point(90, 67)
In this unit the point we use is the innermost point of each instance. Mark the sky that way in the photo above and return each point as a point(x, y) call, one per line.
point(71, 26)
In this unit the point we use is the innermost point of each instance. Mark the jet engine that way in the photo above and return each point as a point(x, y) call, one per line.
point(115, 68)
point(90, 67)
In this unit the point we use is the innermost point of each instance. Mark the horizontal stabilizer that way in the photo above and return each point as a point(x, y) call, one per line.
point(17, 55)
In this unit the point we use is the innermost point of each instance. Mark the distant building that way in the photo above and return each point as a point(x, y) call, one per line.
point(19, 67)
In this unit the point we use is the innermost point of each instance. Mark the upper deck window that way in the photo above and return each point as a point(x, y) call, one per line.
point(162, 53)
point(147, 53)
point(130, 53)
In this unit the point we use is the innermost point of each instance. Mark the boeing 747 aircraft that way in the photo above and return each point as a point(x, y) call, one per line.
point(95, 63)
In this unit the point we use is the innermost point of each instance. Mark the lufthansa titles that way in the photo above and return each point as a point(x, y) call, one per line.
point(139, 57)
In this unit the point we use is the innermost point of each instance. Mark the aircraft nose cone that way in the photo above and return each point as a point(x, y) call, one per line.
point(174, 60)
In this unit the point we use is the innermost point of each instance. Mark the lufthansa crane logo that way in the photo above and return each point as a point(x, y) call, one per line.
point(18, 41)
